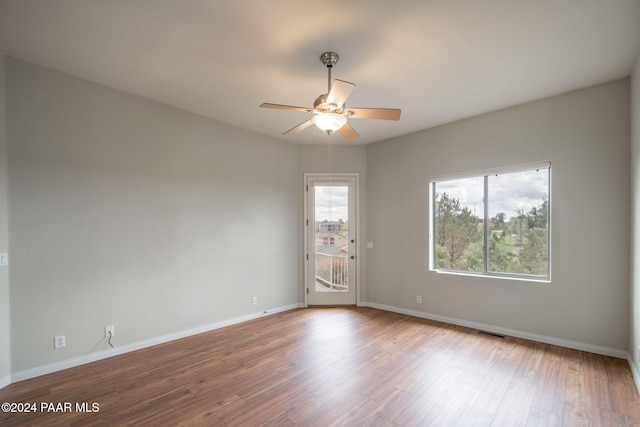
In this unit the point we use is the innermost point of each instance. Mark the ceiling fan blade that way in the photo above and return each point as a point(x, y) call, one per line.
point(375, 113)
point(347, 132)
point(339, 92)
point(298, 128)
point(286, 107)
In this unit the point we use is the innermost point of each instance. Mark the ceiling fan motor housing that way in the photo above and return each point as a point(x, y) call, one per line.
point(321, 105)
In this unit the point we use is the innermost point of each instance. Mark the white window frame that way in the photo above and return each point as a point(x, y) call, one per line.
point(477, 174)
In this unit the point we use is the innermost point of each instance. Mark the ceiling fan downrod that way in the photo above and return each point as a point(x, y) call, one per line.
point(329, 59)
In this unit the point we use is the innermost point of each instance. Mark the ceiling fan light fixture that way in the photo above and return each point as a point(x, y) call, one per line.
point(329, 122)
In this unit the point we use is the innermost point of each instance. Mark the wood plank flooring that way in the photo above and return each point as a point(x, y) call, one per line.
point(343, 367)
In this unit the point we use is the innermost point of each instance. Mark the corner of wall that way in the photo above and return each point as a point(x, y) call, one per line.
point(634, 288)
point(5, 319)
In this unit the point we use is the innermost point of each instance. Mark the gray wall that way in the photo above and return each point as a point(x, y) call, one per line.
point(130, 213)
point(585, 135)
point(5, 319)
point(634, 335)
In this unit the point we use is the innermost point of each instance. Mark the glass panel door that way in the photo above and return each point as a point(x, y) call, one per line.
point(330, 248)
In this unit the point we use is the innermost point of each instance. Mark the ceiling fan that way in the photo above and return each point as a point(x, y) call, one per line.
point(329, 111)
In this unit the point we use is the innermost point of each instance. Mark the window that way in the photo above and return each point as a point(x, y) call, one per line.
point(492, 223)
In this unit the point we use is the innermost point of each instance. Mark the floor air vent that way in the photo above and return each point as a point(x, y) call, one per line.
point(491, 334)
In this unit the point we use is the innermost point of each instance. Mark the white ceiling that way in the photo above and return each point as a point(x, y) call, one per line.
point(437, 60)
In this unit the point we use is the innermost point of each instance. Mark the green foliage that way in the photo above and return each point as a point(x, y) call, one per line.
point(456, 230)
point(344, 229)
point(516, 245)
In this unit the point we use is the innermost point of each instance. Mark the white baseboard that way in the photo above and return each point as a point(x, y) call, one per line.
point(620, 354)
point(634, 371)
point(81, 360)
point(5, 381)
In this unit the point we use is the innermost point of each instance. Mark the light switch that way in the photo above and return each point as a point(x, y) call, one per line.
point(4, 259)
point(369, 245)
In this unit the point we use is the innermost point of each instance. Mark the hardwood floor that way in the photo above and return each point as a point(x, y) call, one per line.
point(338, 366)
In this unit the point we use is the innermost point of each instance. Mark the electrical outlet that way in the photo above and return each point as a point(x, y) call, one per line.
point(254, 300)
point(419, 299)
point(109, 330)
point(59, 341)
point(4, 259)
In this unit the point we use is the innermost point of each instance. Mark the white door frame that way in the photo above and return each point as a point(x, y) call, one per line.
point(307, 223)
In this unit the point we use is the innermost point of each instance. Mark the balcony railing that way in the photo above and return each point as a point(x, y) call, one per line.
point(332, 271)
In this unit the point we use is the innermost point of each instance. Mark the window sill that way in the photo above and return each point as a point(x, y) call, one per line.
point(495, 276)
